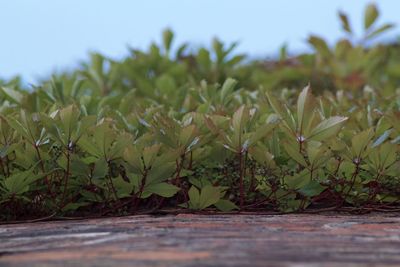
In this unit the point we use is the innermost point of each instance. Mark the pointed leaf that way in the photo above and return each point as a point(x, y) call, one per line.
point(162, 189)
point(209, 196)
point(371, 13)
point(327, 128)
point(305, 108)
point(345, 22)
point(225, 205)
point(295, 154)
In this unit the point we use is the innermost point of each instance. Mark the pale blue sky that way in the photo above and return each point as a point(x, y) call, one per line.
point(39, 36)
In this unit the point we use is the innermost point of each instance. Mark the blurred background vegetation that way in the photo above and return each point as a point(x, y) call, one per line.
point(351, 63)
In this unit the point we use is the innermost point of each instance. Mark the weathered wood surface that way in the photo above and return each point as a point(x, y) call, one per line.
point(200, 240)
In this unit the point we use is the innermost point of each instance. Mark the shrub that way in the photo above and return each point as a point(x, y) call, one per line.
point(206, 129)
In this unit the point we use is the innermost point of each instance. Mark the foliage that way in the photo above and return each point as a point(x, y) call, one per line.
point(169, 128)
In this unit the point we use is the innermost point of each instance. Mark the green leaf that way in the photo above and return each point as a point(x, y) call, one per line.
point(371, 13)
point(382, 138)
point(327, 128)
point(82, 127)
point(240, 118)
point(260, 133)
point(100, 169)
point(162, 189)
point(187, 135)
point(19, 183)
point(69, 119)
point(345, 22)
point(295, 154)
point(283, 53)
point(388, 155)
point(305, 109)
point(360, 141)
point(78, 166)
point(281, 111)
point(227, 89)
point(262, 156)
point(16, 125)
point(12, 94)
point(225, 205)
point(320, 45)
point(149, 154)
point(168, 36)
point(217, 129)
point(313, 188)
point(133, 157)
point(76, 88)
point(118, 147)
point(160, 173)
point(209, 196)
point(299, 180)
point(104, 137)
point(123, 188)
point(239, 121)
point(315, 153)
point(194, 197)
point(91, 148)
point(379, 30)
point(382, 157)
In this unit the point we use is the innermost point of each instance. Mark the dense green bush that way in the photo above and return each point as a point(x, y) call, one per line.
point(173, 129)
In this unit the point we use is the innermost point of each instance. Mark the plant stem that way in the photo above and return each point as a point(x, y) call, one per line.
point(42, 167)
point(353, 180)
point(66, 178)
point(252, 182)
point(3, 167)
point(241, 172)
point(179, 166)
point(113, 189)
point(191, 160)
point(142, 185)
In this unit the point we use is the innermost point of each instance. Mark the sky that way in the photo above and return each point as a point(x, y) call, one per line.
point(42, 36)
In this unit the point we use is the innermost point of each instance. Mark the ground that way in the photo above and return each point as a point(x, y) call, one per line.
point(206, 240)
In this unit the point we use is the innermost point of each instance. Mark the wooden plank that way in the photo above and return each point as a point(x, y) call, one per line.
point(206, 240)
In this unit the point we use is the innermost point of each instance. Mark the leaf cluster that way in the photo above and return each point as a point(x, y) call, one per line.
point(178, 129)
